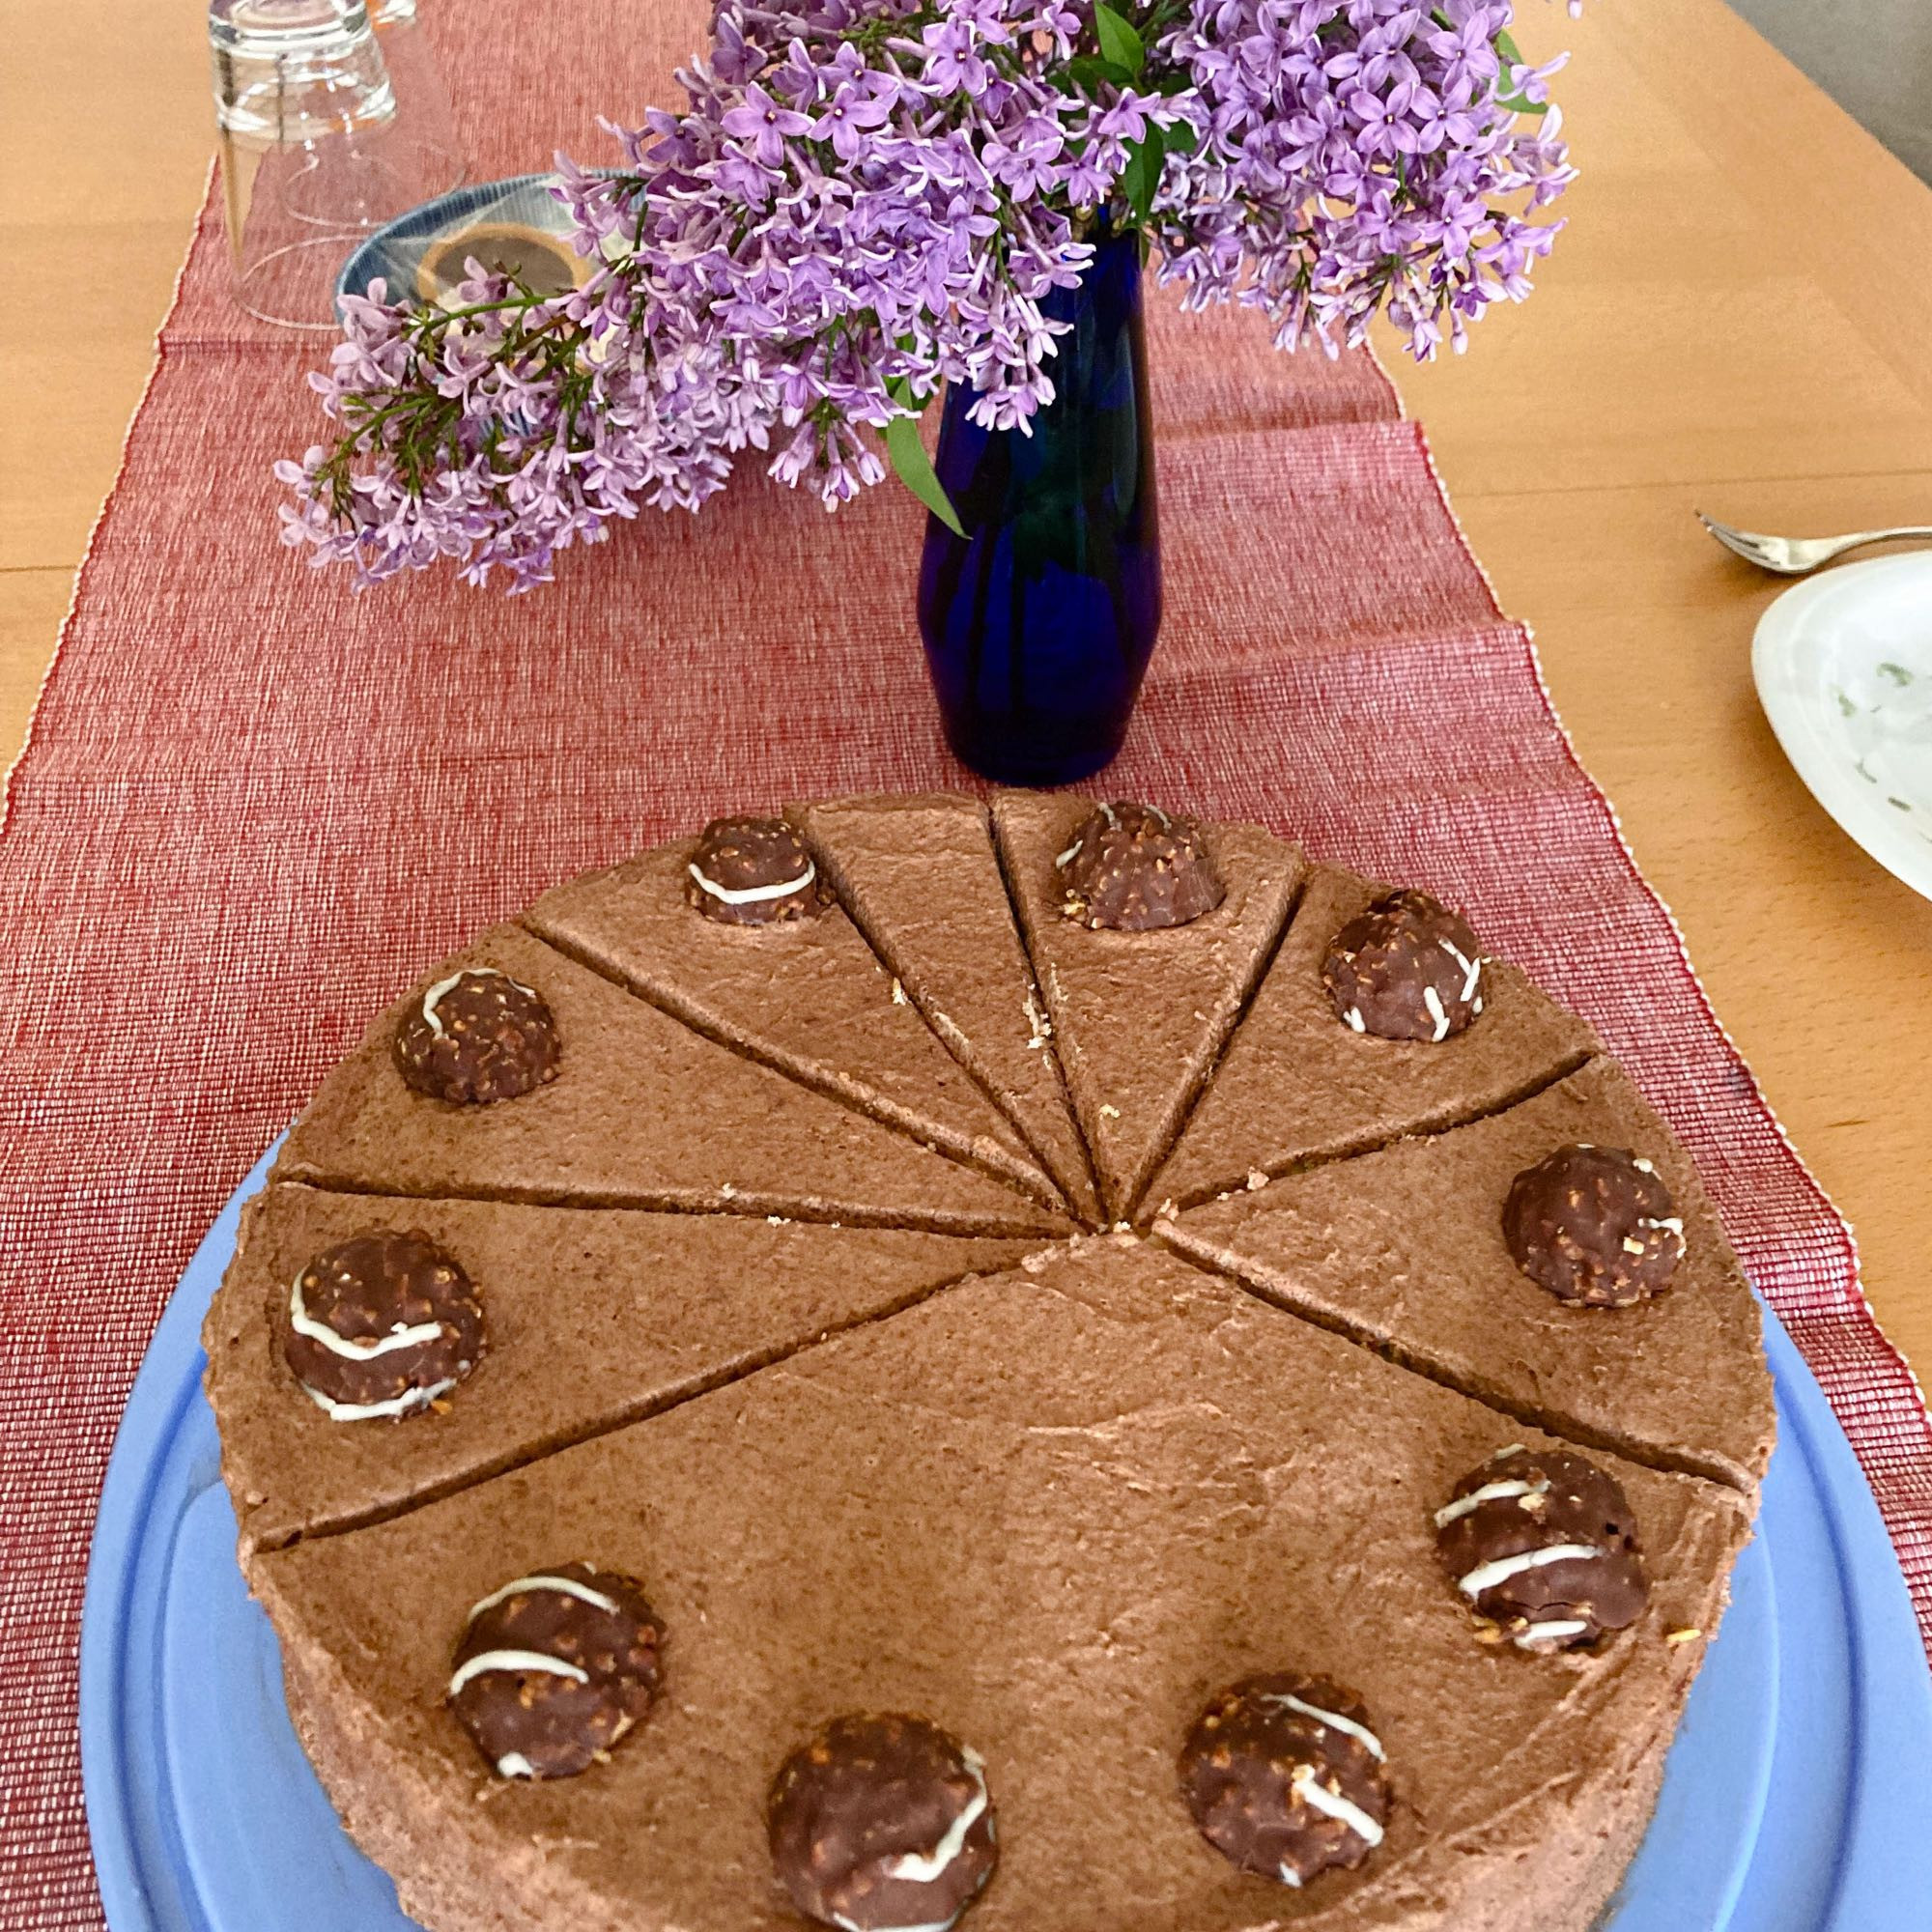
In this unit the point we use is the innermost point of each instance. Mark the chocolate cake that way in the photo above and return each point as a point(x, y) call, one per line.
point(593, 1318)
point(922, 877)
point(808, 997)
point(1406, 1250)
point(1051, 1512)
point(710, 1465)
point(1298, 1083)
point(1140, 1014)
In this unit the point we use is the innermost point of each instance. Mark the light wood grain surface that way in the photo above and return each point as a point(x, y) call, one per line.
point(1739, 318)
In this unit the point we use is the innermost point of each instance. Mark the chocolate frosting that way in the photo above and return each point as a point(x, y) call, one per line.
point(475, 1037)
point(1297, 1084)
point(1049, 1510)
point(1595, 1226)
point(881, 1822)
point(1140, 1018)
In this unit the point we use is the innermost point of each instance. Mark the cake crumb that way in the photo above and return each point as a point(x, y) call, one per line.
point(1109, 1112)
point(899, 994)
point(1690, 1633)
point(1257, 1180)
point(1167, 1210)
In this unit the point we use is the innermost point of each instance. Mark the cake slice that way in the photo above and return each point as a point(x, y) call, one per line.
point(1297, 1082)
point(1404, 1250)
point(920, 877)
point(642, 1112)
point(1051, 1511)
point(808, 997)
point(592, 1318)
point(1140, 1016)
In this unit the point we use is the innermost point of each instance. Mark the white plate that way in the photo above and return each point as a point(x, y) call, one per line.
point(1843, 664)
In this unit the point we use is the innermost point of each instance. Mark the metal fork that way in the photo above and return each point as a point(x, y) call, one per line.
point(1797, 557)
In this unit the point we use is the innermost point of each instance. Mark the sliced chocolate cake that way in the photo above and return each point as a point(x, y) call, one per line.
point(702, 1476)
point(1018, 1539)
point(1148, 933)
point(588, 1317)
point(635, 1109)
point(920, 877)
point(804, 993)
point(1309, 1073)
point(1415, 1251)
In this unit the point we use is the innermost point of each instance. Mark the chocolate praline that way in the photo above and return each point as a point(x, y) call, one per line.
point(1595, 1226)
point(382, 1324)
point(1542, 1545)
point(1136, 868)
point(555, 1668)
point(1285, 1777)
point(881, 1822)
point(477, 1036)
point(753, 871)
point(1405, 968)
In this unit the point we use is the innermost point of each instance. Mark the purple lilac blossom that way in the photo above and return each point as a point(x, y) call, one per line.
point(863, 200)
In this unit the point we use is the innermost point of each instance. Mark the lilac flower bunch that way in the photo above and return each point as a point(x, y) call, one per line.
point(863, 200)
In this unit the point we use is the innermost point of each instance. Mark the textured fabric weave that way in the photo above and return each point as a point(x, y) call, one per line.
point(254, 806)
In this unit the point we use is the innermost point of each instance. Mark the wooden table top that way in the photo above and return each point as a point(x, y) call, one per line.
point(1736, 320)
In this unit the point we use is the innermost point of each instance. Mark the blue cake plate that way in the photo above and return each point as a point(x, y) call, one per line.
point(1796, 1798)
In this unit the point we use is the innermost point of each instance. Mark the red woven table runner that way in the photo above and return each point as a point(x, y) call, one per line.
point(254, 806)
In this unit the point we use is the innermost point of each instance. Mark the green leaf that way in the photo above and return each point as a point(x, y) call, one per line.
point(1119, 41)
point(913, 469)
point(1090, 71)
point(1180, 139)
point(1510, 55)
point(1140, 178)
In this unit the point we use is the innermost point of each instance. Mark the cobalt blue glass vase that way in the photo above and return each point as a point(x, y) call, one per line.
point(1039, 621)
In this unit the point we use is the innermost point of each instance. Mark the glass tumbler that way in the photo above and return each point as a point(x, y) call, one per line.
point(317, 147)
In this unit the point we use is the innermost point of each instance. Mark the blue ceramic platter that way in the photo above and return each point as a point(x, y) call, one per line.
point(517, 214)
point(1796, 1798)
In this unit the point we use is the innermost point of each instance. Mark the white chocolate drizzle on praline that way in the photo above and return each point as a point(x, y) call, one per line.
point(1489, 1492)
point(1432, 1001)
point(514, 1764)
point(1487, 1575)
point(1473, 969)
point(1334, 1719)
point(401, 1336)
point(754, 894)
point(1555, 1630)
point(1310, 1789)
point(1353, 1019)
point(562, 1586)
point(369, 1412)
point(922, 1868)
point(433, 997)
point(486, 1661)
